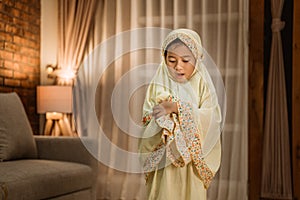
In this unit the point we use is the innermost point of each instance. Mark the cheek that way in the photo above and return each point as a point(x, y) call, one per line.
point(190, 69)
point(171, 70)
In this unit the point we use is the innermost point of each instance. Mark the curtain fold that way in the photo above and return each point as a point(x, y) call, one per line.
point(75, 19)
point(276, 169)
point(223, 29)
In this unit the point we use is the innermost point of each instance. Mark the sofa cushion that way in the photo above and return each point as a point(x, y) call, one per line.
point(40, 179)
point(16, 137)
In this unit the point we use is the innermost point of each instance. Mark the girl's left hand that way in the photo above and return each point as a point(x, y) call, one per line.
point(164, 108)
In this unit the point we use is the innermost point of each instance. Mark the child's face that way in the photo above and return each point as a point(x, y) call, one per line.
point(180, 62)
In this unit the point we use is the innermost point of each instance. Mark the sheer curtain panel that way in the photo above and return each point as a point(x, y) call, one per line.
point(125, 37)
point(276, 169)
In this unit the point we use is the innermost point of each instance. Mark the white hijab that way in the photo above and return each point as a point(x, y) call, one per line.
point(199, 90)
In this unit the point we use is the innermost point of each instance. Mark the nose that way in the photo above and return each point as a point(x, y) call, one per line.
point(178, 66)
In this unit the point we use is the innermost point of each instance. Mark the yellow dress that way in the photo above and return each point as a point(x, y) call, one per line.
point(181, 153)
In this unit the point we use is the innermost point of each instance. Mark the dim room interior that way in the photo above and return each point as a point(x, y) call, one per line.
point(74, 76)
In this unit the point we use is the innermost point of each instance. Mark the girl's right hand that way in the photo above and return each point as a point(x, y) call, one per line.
point(164, 108)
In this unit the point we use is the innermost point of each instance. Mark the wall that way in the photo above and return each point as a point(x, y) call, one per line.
point(49, 15)
point(20, 52)
point(49, 20)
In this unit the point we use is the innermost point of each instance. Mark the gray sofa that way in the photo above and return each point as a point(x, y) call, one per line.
point(40, 167)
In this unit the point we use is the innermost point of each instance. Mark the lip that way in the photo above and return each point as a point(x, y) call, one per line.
point(180, 75)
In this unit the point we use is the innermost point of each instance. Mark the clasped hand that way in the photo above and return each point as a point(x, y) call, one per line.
point(164, 108)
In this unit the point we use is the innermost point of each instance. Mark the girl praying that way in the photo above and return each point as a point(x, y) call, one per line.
point(180, 149)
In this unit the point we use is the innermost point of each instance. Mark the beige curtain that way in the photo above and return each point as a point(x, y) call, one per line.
point(276, 169)
point(75, 19)
point(223, 26)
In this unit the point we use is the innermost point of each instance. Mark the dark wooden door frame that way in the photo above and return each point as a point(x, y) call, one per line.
point(255, 96)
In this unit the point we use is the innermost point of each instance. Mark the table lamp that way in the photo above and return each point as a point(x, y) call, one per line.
point(55, 101)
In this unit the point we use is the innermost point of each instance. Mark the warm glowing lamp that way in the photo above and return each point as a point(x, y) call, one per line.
point(55, 101)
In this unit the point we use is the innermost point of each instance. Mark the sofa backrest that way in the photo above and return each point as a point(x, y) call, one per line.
point(16, 136)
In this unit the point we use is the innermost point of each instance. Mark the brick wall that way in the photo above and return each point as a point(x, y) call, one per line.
point(20, 52)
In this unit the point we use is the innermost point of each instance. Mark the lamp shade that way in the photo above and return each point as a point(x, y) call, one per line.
point(53, 98)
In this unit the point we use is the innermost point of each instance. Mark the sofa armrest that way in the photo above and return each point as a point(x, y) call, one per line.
point(69, 149)
point(65, 149)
